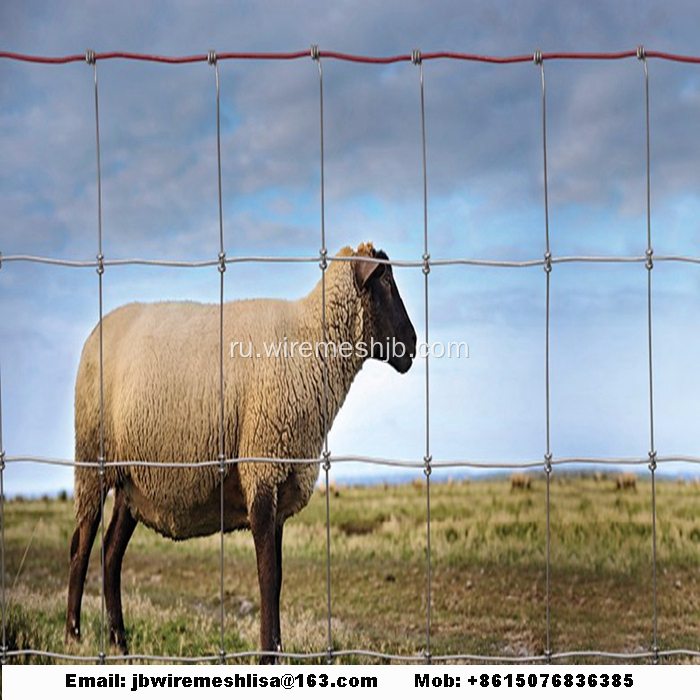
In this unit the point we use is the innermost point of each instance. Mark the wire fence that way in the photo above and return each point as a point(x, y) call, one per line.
point(326, 460)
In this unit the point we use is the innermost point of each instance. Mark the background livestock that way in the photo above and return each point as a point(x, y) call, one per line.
point(520, 480)
point(626, 480)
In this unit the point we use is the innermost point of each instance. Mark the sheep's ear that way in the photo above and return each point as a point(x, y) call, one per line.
point(364, 269)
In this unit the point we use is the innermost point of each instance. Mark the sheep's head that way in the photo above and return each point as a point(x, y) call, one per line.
point(387, 329)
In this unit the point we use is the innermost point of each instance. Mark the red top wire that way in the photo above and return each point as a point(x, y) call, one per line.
point(201, 58)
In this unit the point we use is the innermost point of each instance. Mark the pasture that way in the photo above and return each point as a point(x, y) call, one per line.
point(488, 579)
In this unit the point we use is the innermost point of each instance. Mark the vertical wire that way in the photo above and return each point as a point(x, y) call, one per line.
point(427, 459)
point(548, 269)
point(222, 440)
point(641, 55)
point(91, 60)
point(323, 264)
point(3, 652)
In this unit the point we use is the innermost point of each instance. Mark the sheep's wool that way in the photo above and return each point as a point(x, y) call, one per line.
point(162, 403)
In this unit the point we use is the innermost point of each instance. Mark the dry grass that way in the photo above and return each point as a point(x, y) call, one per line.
point(488, 578)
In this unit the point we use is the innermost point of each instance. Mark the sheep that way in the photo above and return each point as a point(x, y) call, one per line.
point(162, 403)
point(626, 480)
point(520, 480)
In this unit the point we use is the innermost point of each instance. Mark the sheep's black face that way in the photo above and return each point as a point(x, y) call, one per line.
point(388, 331)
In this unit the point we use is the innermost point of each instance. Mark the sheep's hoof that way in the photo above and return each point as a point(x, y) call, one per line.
point(72, 627)
point(272, 660)
point(119, 641)
point(72, 634)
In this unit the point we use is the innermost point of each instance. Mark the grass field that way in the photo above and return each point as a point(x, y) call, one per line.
point(488, 546)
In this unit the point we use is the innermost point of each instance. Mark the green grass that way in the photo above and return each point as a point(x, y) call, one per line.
point(488, 575)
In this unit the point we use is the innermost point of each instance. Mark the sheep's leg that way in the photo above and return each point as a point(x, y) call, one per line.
point(80, 547)
point(277, 631)
point(121, 527)
point(262, 525)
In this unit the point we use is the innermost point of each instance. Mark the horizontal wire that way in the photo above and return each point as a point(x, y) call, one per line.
point(349, 57)
point(306, 656)
point(363, 459)
point(441, 262)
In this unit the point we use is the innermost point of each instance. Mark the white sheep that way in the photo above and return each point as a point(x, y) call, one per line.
point(162, 404)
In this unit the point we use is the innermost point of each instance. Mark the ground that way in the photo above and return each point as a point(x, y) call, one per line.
point(487, 587)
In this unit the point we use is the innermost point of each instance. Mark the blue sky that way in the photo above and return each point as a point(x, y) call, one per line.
point(485, 175)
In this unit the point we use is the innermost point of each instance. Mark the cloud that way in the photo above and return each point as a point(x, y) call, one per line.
point(485, 185)
point(483, 122)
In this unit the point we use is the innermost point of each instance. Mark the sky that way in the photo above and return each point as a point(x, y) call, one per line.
point(485, 175)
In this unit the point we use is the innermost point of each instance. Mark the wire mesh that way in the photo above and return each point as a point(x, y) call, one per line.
point(327, 459)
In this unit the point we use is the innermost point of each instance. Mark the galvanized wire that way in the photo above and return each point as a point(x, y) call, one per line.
point(548, 270)
point(427, 457)
point(632, 461)
point(315, 259)
point(326, 459)
point(3, 651)
point(90, 60)
point(367, 654)
point(641, 55)
point(212, 60)
point(323, 264)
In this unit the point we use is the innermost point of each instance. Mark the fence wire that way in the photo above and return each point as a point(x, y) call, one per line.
point(427, 464)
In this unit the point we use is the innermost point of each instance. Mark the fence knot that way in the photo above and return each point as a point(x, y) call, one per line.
point(416, 57)
point(326, 461)
point(315, 53)
point(222, 261)
point(537, 57)
point(428, 465)
point(90, 57)
point(323, 261)
point(211, 57)
point(547, 262)
point(100, 264)
point(2, 461)
point(548, 463)
point(426, 263)
point(222, 463)
point(641, 53)
point(101, 465)
point(652, 461)
point(650, 262)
